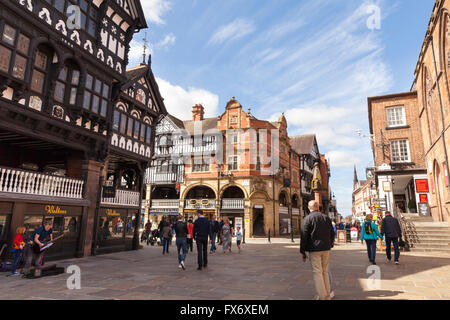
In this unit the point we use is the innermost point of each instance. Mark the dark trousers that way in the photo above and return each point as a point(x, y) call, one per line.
point(190, 244)
point(394, 241)
point(166, 244)
point(32, 260)
point(17, 255)
point(213, 242)
point(181, 249)
point(202, 251)
point(371, 249)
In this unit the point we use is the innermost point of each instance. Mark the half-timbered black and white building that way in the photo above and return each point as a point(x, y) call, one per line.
point(75, 124)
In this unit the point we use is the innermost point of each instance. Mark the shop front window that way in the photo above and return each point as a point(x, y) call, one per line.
point(111, 228)
point(131, 223)
point(31, 223)
point(3, 226)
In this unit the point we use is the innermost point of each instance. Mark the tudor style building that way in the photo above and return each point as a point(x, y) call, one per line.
point(233, 166)
point(75, 126)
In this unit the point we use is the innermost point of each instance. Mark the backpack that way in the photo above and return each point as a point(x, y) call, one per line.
point(368, 228)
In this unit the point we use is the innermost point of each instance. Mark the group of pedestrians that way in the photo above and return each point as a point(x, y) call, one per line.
point(390, 230)
point(318, 236)
point(201, 231)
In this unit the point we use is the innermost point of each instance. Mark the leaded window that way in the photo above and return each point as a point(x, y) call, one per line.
point(400, 151)
point(14, 49)
point(396, 116)
point(96, 95)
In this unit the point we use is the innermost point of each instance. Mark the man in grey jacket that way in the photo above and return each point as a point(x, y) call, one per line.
point(317, 237)
point(391, 231)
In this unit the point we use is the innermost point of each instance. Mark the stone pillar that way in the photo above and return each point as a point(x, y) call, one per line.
point(91, 171)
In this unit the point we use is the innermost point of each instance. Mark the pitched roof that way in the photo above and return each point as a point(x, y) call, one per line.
point(303, 144)
point(137, 72)
point(179, 123)
point(207, 124)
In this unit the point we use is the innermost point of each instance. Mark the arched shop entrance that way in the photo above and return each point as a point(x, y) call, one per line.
point(200, 198)
point(258, 220)
point(232, 206)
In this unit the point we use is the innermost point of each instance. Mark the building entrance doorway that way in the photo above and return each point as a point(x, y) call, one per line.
point(258, 224)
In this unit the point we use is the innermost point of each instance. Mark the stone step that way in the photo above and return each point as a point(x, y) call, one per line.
point(431, 246)
point(431, 242)
point(431, 224)
point(430, 238)
point(431, 229)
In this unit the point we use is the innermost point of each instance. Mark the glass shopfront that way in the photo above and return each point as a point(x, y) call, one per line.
point(5, 220)
point(66, 222)
point(115, 229)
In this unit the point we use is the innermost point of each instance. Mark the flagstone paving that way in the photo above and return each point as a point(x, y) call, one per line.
point(262, 271)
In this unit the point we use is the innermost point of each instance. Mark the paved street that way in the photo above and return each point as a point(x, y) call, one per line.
point(261, 271)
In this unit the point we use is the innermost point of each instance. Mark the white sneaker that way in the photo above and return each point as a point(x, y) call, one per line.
point(332, 295)
point(179, 266)
point(182, 265)
point(396, 262)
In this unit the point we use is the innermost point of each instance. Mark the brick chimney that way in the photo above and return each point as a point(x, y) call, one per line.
point(198, 112)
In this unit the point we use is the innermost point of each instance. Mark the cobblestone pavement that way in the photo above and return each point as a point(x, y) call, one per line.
point(261, 271)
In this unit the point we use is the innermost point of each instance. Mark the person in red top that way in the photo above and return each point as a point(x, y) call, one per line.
point(17, 249)
point(190, 237)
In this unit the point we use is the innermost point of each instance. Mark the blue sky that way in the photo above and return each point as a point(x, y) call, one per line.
point(315, 60)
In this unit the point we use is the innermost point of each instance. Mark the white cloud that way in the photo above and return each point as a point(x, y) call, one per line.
point(136, 51)
point(237, 29)
point(343, 159)
point(155, 9)
point(168, 41)
point(179, 101)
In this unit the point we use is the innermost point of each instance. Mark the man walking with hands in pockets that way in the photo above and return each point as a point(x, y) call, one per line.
point(317, 237)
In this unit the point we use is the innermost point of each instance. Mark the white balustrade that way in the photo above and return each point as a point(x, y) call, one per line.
point(165, 203)
point(34, 183)
point(124, 198)
point(232, 203)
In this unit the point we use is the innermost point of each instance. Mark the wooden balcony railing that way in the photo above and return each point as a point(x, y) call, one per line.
point(124, 198)
point(165, 203)
point(35, 183)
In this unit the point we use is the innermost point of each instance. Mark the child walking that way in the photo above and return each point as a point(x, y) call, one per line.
point(17, 249)
point(238, 238)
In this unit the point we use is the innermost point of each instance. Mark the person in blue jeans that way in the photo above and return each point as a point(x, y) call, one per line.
point(214, 231)
point(370, 233)
point(181, 232)
point(390, 229)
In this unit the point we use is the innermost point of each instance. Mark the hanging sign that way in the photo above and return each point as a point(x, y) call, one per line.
point(422, 186)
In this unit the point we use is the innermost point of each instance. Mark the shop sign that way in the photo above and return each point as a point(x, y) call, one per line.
point(387, 186)
point(238, 223)
point(422, 186)
point(112, 213)
point(342, 236)
point(423, 198)
point(50, 209)
point(258, 206)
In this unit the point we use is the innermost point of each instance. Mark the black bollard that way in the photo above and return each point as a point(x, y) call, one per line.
point(292, 236)
point(269, 235)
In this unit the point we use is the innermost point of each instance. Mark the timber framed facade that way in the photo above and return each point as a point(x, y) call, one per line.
point(61, 154)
